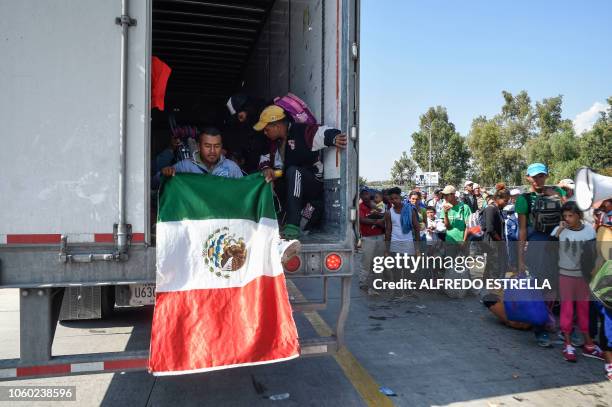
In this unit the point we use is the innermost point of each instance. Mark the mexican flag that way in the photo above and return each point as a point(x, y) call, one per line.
point(221, 297)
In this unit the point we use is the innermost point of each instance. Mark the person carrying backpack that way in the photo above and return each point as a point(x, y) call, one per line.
point(533, 228)
point(493, 229)
point(295, 150)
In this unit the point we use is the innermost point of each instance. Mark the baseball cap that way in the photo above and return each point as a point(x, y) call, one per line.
point(567, 183)
point(437, 190)
point(536, 168)
point(468, 182)
point(270, 114)
point(476, 186)
point(449, 189)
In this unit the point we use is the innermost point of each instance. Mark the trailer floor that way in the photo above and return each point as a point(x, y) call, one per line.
point(430, 351)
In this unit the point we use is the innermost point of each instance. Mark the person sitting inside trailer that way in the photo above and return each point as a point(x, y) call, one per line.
point(208, 160)
point(295, 149)
point(243, 144)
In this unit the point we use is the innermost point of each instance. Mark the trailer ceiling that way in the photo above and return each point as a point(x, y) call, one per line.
point(207, 43)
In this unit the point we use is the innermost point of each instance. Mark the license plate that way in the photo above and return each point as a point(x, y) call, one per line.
point(142, 294)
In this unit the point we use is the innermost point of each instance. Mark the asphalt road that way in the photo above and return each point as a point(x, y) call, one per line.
point(429, 350)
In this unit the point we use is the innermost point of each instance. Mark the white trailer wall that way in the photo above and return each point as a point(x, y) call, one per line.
point(299, 51)
point(59, 103)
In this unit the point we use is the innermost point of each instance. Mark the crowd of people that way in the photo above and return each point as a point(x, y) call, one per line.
point(537, 233)
point(511, 226)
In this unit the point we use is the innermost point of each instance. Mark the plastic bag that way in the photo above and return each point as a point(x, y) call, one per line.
point(525, 305)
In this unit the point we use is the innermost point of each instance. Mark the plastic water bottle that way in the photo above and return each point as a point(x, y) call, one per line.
point(282, 396)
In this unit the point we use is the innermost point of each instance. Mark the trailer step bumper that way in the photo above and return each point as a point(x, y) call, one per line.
point(129, 361)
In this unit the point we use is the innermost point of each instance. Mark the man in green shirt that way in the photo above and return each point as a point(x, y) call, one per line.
point(532, 256)
point(456, 216)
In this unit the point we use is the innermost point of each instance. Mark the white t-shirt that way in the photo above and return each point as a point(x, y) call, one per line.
point(400, 242)
point(438, 226)
point(570, 248)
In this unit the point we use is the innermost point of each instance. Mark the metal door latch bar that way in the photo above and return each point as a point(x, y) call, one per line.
point(66, 257)
point(124, 19)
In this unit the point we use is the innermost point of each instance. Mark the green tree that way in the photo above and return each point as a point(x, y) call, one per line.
point(549, 115)
point(504, 145)
point(596, 144)
point(498, 144)
point(403, 170)
point(362, 181)
point(449, 151)
point(517, 117)
point(485, 139)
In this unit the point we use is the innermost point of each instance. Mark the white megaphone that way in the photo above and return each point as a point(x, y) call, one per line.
point(591, 188)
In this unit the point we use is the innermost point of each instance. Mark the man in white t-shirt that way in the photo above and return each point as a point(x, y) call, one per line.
point(401, 232)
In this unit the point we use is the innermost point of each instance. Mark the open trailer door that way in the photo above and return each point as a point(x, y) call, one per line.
point(74, 185)
point(62, 100)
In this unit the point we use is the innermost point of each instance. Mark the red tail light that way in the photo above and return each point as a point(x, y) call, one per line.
point(293, 264)
point(333, 261)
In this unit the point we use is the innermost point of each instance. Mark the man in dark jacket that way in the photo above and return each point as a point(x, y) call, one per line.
point(468, 196)
point(295, 150)
point(243, 144)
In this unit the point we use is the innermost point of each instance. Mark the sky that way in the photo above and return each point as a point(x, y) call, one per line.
point(462, 54)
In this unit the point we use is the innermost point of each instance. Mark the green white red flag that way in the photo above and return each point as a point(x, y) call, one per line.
point(221, 297)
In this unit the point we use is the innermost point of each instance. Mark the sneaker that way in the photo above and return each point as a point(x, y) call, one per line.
point(288, 249)
point(569, 353)
point(608, 367)
point(543, 340)
point(290, 232)
point(593, 351)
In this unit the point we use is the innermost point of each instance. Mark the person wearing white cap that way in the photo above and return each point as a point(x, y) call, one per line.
point(514, 193)
point(456, 215)
point(568, 186)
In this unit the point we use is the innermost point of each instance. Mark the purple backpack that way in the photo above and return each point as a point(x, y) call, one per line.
point(296, 108)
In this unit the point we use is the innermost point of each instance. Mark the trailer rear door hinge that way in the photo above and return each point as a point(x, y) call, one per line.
point(355, 51)
point(354, 133)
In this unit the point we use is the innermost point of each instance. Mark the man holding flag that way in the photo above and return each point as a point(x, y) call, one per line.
point(221, 297)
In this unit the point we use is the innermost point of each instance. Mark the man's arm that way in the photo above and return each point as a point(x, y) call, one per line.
point(387, 232)
point(446, 221)
point(522, 239)
point(491, 217)
point(319, 137)
point(466, 213)
point(416, 227)
point(169, 172)
point(367, 221)
point(234, 170)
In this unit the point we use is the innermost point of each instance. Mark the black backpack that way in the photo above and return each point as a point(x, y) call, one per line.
point(481, 220)
point(544, 212)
